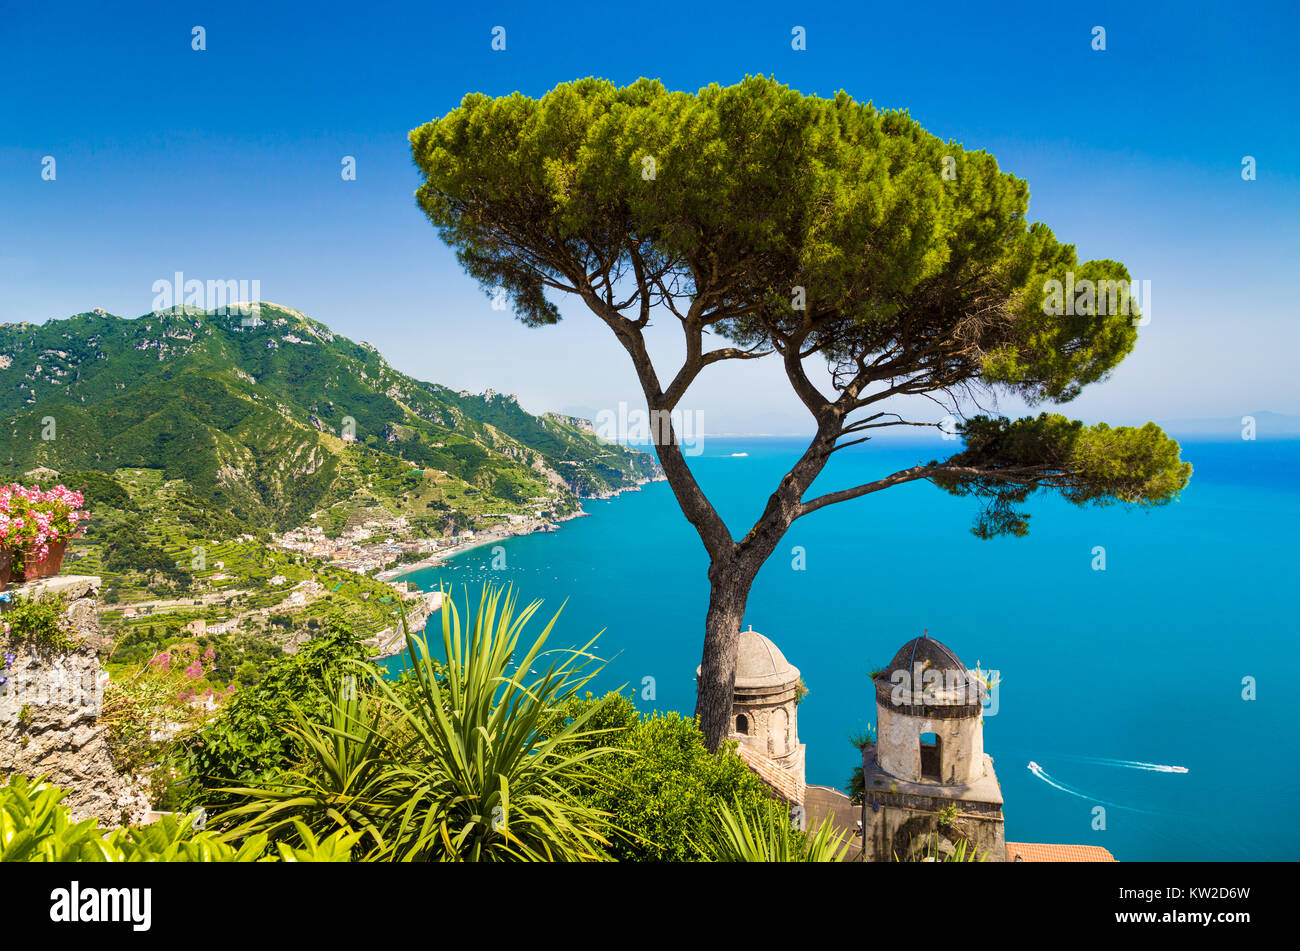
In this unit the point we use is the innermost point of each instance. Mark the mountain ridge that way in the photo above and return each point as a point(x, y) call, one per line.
point(276, 417)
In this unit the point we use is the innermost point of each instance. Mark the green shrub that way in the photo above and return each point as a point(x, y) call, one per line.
point(662, 784)
point(856, 783)
point(477, 759)
point(35, 826)
point(248, 743)
point(39, 623)
point(449, 763)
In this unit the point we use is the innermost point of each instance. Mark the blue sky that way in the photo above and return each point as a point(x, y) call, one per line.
point(225, 164)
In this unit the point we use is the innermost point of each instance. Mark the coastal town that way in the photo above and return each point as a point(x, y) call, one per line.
point(387, 548)
point(280, 590)
point(380, 550)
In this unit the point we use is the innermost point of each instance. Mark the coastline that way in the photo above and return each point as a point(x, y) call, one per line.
point(396, 574)
point(392, 641)
point(500, 534)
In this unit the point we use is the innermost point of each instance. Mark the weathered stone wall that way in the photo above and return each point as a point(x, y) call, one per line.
point(773, 725)
point(910, 821)
point(961, 744)
point(910, 827)
point(50, 706)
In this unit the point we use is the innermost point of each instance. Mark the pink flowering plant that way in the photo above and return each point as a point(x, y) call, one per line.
point(148, 705)
point(31, 518)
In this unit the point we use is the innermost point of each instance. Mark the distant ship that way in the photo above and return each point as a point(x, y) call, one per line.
point(736, 454)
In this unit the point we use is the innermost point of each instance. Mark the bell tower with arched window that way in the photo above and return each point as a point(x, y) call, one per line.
point(928, 784)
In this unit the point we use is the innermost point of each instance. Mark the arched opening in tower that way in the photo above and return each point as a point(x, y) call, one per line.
point(930, 758)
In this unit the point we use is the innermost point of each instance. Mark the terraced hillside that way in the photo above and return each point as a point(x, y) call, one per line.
point(273, 419)
point(178, 570)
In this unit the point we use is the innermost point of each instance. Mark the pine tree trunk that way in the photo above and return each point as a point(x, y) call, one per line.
point(715, 691)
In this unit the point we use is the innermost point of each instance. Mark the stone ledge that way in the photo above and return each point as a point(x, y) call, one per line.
point(81, 594)
point(73, 587)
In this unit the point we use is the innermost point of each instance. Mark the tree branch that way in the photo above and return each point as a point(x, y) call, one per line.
point(912, 475)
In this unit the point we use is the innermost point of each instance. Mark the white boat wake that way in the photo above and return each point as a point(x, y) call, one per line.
point(1042, 774)
point(1154, 767)
point(1129, 764)
point(1045, 777)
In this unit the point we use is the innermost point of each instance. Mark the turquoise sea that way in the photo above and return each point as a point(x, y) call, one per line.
point(1101, 671)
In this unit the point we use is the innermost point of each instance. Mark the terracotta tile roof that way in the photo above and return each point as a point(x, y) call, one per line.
point(1044, 852)
point(782, 781)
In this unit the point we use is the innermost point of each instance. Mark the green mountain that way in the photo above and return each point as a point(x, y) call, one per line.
point(277, 419)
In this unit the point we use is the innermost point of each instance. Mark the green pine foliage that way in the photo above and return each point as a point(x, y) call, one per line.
point(790, 223)
point(1087, 465)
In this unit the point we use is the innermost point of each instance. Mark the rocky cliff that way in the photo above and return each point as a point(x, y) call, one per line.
point(50, 710)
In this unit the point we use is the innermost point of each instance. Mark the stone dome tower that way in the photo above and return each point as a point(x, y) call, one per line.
point(927, 781)
point(929, 716)
point(764, 713)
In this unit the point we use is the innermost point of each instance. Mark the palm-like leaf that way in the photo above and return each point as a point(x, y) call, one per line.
point(478, 778)
point(338, 786)
point(766, 835)
point(454, 762)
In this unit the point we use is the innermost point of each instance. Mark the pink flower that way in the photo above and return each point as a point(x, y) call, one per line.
point(34, 518)
point(194, 671)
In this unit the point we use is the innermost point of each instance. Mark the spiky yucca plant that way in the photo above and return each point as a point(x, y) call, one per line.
point(450, 763)
point(339, 782)
point(475, 777)
point(767, 835)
